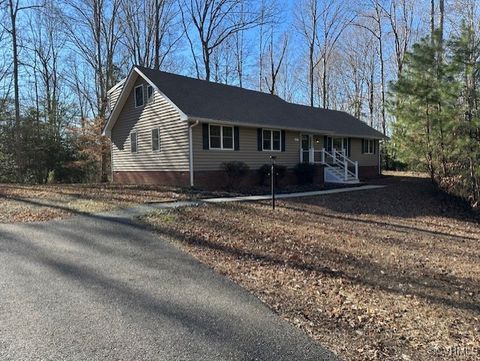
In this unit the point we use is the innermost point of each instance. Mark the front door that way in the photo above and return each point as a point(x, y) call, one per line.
point(306, 145)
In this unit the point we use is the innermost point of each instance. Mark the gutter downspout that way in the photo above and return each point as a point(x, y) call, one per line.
point(190, 146)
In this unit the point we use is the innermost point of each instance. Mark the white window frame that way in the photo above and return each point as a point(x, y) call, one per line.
point(151, 98)
point(135, 96)
point(344, 144)
point(136, 142)
point(158, 139)
point(221, 137)
point(370, 148)
point(271, 140)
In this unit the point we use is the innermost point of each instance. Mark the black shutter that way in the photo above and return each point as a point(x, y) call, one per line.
point(236, 138)
point(259, 139)
point(374, 146)
point(283, 140)
point(206, 143)
point(325, 142)
point(349, 147)
point(363, 146)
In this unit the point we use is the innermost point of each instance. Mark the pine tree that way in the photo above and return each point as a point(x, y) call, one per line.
point(465, 55)
point(423, 103)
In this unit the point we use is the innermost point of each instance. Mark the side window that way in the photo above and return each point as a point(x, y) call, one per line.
point(215, 137)
point(368, 146)
point(221, 137)
point(155, 139)
point(267, 140)
point(133, 142)
point(138, 96)
point(150, 97)
point(271, 140)
point(227, 137)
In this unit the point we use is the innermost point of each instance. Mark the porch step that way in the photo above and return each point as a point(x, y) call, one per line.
point(337, 175)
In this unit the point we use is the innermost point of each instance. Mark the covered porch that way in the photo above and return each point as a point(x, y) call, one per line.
point(331, 152)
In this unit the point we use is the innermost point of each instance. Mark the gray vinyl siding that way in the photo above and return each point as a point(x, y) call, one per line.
point(173, 154)
point(113, 97)
point(211, 159)
point(363, 159)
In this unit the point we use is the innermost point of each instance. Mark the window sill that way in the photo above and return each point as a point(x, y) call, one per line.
point(222, 149)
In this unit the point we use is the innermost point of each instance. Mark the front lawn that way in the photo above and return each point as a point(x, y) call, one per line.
point(26, 203)
point(383, 274)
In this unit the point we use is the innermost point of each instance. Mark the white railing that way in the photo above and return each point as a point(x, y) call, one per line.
point(335, 158)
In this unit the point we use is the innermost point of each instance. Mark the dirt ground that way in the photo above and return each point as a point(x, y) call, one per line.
point(386, 274)
point(27, 203)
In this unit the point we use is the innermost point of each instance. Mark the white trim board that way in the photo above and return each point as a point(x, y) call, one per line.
point(291, 195)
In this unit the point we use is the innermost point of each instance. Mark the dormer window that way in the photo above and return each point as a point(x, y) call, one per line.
point(150, 96)
point(138, 96)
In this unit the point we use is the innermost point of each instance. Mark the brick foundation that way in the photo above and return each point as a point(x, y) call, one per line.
point(218, 180)
point(211, 180)
point(368, 172)
point(180, 179)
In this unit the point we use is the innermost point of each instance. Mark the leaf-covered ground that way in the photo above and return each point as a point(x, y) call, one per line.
point(28, 203)
point(389, 274)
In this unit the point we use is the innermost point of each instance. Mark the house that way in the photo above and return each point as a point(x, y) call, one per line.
point(176, 130)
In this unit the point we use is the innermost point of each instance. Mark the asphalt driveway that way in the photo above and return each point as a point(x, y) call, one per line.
point(105, 288)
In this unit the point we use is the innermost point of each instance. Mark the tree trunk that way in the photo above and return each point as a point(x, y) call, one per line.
point(156, 60)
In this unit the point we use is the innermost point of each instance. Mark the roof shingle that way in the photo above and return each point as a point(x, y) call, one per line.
point(203, 100)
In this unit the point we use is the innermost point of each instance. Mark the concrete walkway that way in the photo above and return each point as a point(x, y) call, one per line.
point(291, 195)
point(152, 207)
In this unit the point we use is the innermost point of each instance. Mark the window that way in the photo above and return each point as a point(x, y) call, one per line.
point(155, 139)
point(271, 140)
point(133, 142)
point(338, 143)
point(138, 96)
point(221, 137)
point(368, 146)
point(150, 97)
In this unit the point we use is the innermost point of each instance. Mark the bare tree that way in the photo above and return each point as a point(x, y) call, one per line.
point(14, 8)
point(93, 30)
point(275, 62)
point(322, 24)
point(214, 22)
point(400, 16)
point(309, 19)
point(375, 18)
point(46, 41)
point(5, 64)
point(335, 19)
point(150, 30)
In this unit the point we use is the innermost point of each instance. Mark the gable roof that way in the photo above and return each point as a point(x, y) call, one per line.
point(208, 101)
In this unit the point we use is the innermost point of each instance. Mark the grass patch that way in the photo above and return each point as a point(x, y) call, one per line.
point(159, 218)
